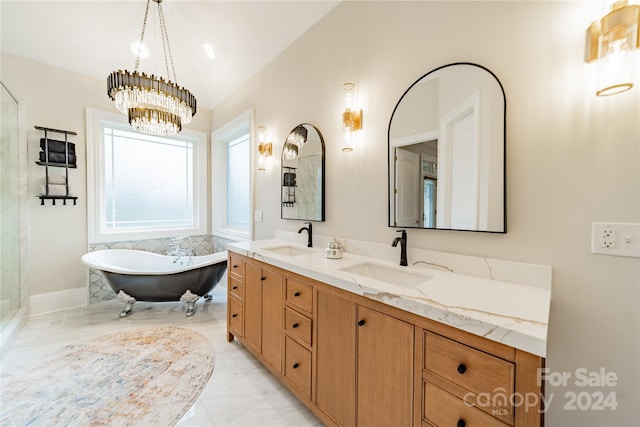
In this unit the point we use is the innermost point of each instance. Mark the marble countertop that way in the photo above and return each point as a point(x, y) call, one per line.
point(513, 314)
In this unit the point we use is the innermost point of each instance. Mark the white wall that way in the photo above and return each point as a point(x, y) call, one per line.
point(572, 158)
point(57, 98)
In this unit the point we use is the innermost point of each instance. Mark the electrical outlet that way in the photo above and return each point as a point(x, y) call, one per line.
point(608, 237)
point(615, 238)
point(257, 216)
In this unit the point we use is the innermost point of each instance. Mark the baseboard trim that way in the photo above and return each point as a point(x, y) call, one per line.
point(57, 301)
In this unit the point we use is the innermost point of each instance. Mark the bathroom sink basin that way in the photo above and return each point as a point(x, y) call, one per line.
point(384, 273)
point(287, 250)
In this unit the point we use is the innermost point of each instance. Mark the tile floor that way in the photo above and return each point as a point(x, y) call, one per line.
point(240, 392)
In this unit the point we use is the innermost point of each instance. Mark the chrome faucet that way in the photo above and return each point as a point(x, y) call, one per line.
point(403, 246)
point(176, 250)
point(309, 232)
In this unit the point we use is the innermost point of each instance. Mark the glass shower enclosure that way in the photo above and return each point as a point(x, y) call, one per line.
point(9, 210)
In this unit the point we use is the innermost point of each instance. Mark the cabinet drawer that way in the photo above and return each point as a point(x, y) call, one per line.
point(236, 287)
point(300, 295)
point(482, 374)
point(298, 326)
point(235, 265)
point(443, 410)
point(235, 316)
point(297, 362)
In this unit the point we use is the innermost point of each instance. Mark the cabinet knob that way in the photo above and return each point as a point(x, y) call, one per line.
point(263, 278)
point(297, 294)
point(361, 322)
point(234, 315)
point(235, 266)
point(235, 287)
point(462, 369)
point(295, 325)
point(295, 365)
point(461, 423)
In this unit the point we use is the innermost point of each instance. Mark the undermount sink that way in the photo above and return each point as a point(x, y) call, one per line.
point(384, 273)
point(287, 250)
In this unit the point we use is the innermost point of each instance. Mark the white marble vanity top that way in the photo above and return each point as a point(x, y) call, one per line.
point(513, 314)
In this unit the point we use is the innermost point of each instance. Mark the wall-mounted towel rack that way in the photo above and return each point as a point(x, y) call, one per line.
point(51, 153)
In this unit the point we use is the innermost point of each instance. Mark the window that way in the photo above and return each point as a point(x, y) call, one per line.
point(232, 178)
point(143, 186)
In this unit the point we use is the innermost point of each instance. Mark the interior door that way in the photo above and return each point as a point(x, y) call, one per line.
point(408, 187)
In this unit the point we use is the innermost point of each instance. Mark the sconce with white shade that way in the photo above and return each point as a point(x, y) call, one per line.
point(265, 149)
point(611, 42)
point(351, 118)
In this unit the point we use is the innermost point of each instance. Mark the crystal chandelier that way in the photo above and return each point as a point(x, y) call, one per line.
point(294, 142)
point(155, 106)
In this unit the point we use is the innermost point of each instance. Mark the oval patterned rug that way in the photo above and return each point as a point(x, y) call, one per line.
point(134, 377)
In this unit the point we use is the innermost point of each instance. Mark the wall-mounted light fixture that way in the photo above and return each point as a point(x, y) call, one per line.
point(611, 42)
point(351, 118)
point(265, 149)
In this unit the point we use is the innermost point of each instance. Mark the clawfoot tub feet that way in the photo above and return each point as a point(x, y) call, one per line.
point(190, 299)
point(127, 299)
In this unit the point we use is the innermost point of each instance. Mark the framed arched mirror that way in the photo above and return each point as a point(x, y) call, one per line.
point(302, 174)
point(447, 152)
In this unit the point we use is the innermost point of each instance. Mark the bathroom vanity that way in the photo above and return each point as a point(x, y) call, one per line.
point(359, 349)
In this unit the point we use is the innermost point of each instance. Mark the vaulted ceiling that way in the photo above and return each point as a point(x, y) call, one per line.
point(94, 37)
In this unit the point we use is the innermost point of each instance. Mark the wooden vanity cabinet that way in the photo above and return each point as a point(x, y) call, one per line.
point(358, 362)
point(261, 305)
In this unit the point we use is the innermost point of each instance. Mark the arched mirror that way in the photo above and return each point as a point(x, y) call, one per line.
point(302, 175)
point(447, 152)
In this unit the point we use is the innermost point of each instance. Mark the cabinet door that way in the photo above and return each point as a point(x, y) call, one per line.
point(336, 358)
point(385, 370)
point(272, 317)
point(253, 305)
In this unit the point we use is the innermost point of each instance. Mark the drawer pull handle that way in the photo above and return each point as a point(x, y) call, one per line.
point(461, 370)
point(295, 325)
point(235, 287)
point(361, 322)
point(234, 315)
point(263, 278)
point(235, 266)
point(297, 294)
point(295, 366)
point(461, 423)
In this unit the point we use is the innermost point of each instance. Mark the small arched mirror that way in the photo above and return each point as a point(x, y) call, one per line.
point(302, 175)
point(447, 152)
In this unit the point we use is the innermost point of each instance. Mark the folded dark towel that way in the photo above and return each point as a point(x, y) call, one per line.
point(57, 158)
point(289, 179)
point(57, 146)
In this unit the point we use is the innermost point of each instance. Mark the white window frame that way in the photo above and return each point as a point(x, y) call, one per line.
point(97, 232)
point(242, 124)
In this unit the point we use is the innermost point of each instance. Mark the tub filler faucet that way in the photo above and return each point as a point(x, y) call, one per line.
point(309, 232)
point(176, 250)
point(403, 246)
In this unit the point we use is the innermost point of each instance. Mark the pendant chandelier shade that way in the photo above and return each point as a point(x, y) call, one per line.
point(154, 106)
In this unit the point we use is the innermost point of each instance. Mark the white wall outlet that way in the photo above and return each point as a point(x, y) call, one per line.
point(615, 238)
point(257, 216)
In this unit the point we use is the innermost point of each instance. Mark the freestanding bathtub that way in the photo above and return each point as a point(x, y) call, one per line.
point(145, 276)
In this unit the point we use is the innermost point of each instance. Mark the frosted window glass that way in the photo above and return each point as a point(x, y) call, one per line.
point(148, 181)
point(238, 187)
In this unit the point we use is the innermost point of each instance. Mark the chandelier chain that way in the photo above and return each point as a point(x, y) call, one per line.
point(144, 27)
point(166, 46)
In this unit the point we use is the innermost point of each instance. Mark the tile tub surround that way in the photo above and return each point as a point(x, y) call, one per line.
point(511, 313)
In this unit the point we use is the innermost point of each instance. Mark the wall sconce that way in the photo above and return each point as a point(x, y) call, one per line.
point(611, 41)
point(351, 118)
point(265, 149)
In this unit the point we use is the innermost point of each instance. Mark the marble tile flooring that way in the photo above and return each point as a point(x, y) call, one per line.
point(240, 392)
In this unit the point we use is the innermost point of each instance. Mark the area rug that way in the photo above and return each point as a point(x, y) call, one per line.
point(139, 377)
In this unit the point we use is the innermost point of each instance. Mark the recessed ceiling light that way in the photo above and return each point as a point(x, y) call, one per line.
point(139, 50)
point(208, 49)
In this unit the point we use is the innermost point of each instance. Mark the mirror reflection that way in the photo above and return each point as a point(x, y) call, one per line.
point(446, 152)
point(302, 174)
